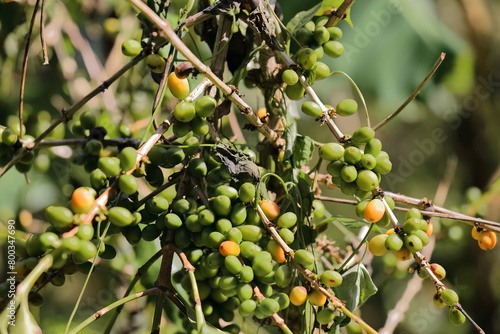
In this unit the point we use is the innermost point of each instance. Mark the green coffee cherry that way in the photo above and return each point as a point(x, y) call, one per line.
point(325, 316)
point(352, 155)
point(59, 216)
point(251, 233)
point(367, 180)
point(331, 278)
point(127, 184)
point(287, 235)
point(283, 276)
point(449, 297)
point(363, 135)
point(156, 63)
point(184, 111)
point(246, 193)
point(246, 274)
point(290, 77)
point(320, 70)
point(331, 151)
point(373, 147)
point(304, 257)
point(393, 242)
point(233, 264)
point(368, 161)
point(287, 220)
point(120, 216)
point(346, 107)
point(228, 191)
point(110, 166)
point(247, 307)
point(205, 106)
point(413, 243)
point(221, 205)
point(127, 158)
point(312, 109)
point(349, 173)
point(456, 317)
point(131, 48)
point(295, 92)
point(197, 168)
point(333, 49)
point(321, 35)
point(335, 33)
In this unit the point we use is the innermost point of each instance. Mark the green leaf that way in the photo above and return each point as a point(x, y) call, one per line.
point(290, 136)
point(328, 5)
point(301, 18)
point(302, 151)
point(356, 287)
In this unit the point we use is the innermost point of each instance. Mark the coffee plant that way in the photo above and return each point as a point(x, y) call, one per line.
point(215, 233)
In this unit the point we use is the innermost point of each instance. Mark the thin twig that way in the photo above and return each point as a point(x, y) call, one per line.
point(25, 68)
point(42, 34)
point(340, 14)
point(415, 92)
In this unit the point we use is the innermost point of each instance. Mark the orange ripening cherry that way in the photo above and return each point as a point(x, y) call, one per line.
point(229, 247)
point(270, 209)
point(178, 87)
point(487, 240)
point(276, 251)
point(430, 229)
point(298, 295)
point(317, 298)
point(262, 114)
point(374, 210)
point(82, 200)
point(475, 233)
point(403, 254)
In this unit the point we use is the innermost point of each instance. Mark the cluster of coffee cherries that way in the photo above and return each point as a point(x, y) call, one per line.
point(316, 40)
point(412, 238)
point(486, 239)
point(357, 166)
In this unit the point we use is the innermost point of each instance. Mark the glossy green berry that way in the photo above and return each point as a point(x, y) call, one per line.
point(127, 158)
point(306, 57)
point(367, 180)
point(449, 297)
point(334, 168)
point(110, 166)
point(156, 63)
point(233, 264)
point(228, 282)
point(71, 244)
point(269, 306)
point(352, 155)
point(197, 168)
point(413, 213)
point(312, 109)
point(244, 291)
point(205, 106)
point(59, 216)
point(363, 135)
point(321, 35)
point(334, 49)
point(223, 225)
point(184, 111)
point(422, 236)
point(383, 165)
point(304, 35)
point(246, 274)
point(238, 214)
point(282, 299)
point(320, 70)
point(215, 239)
point(131, 48)
point(120, 216)
point(304, 257)
point(287, 235)
point(247, 307)
point(373, 147)
point(456, 317)
point(191, 147)
point(249, 249)
point(413, 243)
point(325, 316)
point(206, 217)
point(180, 206)
point(295, 92)
point(200, 126)
point(86, 251)
point(228, 191)
point(172, 221)
point(157, 205)
point(349, 173)
point(9, 137)
point(192, 223)
point(413, 224)
point(221, 205)
point(262, 268)
point(346, 107)
point(368, 161)
point(288, 220)
point(335, 33)
point(290, 77)
point(318, 209)
point(331, 278)
point(246, 192)
point(180, 129)
point(85, 232)
point(251, 233)
point(50, 240)
point(127, 184)
point(283, 276)
point(234, 234)
point(394, 242)
point(331, 151)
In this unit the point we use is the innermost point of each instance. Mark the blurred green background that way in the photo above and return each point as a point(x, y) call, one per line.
point(390, 49)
